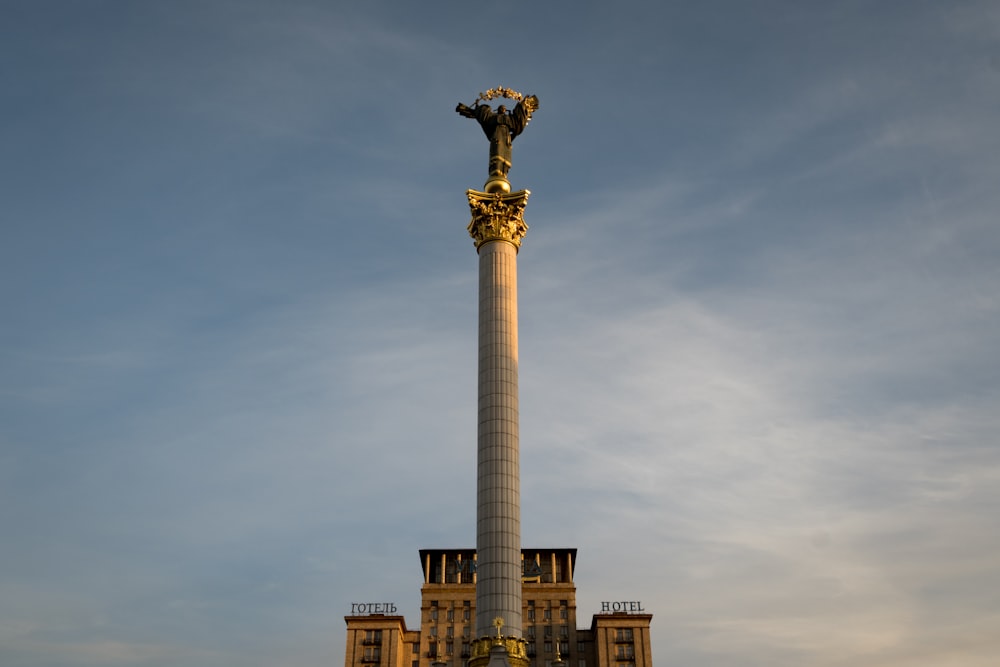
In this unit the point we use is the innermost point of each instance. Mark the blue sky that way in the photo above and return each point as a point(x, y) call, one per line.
point(758, 302)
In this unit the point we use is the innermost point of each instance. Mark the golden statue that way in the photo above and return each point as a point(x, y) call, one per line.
point(500, 126)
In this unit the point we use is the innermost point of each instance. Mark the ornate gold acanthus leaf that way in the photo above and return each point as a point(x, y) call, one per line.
point(497, 216)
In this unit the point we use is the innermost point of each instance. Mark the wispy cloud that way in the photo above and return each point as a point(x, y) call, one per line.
point(758, 320)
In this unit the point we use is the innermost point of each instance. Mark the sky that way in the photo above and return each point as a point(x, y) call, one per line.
point(759, 321)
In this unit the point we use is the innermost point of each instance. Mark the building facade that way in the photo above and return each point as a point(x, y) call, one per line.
point(618, 636)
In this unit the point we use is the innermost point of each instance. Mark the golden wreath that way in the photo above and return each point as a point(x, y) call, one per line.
point(499, 91)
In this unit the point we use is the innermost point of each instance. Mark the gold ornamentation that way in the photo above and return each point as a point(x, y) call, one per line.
point(517, 651)
point(497, 216)
point(499, 91)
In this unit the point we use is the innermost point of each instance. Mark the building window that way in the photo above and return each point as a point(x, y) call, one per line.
point(625, 652)
point(564, 648)
point(450, 632)
point(372, 654)
point(373, 636)
point(563, 612)
point(530, 631)
point(581, 663)
point(434, 613)
point(531, 613)
point(451, 615)
point(580, 647)
point(466, 651)
point(466, 613)
point(548, 631)
point(465, 631)
point(449, 648)
point(416, 648)
point(564, 631)
point(548, 615)
point(548, 647)
point(531, 649)
point(433, 631)
point(623, 635)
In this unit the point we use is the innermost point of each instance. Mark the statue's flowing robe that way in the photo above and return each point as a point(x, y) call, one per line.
point(501, 129)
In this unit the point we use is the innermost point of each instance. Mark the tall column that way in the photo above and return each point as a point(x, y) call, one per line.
point(498, 516)
point(497, 227)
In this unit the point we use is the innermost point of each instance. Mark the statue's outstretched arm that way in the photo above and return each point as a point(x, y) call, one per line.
point(523, 111)
point(465, 111)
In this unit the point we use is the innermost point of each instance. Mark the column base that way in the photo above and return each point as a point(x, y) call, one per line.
point(499, 652)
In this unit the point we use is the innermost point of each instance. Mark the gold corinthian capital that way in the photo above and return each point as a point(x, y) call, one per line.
point(497, 216)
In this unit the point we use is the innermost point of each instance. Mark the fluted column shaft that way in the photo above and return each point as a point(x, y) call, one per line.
point(498, 518)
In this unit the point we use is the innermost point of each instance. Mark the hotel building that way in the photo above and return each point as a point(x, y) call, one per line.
point(618, 635)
